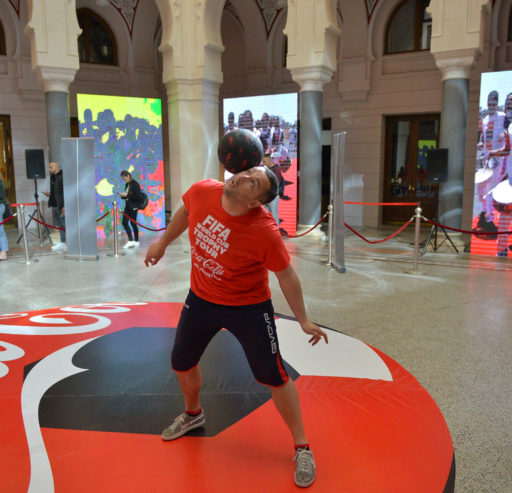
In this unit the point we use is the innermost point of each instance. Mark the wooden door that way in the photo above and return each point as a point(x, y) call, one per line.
point(408, 138)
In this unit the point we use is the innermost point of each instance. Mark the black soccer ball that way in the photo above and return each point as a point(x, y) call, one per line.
point(240, 150)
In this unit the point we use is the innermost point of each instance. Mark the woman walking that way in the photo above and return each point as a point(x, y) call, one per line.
point(131, 195)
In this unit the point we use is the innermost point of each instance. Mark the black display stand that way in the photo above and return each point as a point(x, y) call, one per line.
point(43, 233)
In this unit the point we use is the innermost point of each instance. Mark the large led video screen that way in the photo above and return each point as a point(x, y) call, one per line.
point(273, 118)
point(127, 135)
point(492, 209)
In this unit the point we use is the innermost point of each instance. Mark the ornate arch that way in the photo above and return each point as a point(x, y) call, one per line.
point(127, 9)
point(269, 12)
point(370, 7)
point(16, 6)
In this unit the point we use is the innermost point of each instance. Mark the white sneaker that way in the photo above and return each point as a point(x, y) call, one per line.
point(59, 246)
point(129, 244)
point(136, 243)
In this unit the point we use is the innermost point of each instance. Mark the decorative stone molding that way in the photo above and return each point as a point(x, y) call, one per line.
point(127, 9)
point(311, 78)
point(354, 85)
point(53, 31)
point(269, 10)
point(370, 7)
point(313, 36)
point(457, 64)
point(457, 23)
point(16, 6)
point(55, 78)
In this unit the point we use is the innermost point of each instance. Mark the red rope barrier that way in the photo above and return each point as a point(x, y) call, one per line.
point(64, 229)
point(29, 203)
point(309, 230)
point(7, 220)
point(141, 225)
point(477, 233)
point(104, 215)
point(47, 225)
point(384, 239)
point(382, 203)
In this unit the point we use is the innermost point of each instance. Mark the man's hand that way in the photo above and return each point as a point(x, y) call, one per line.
point(123, 194)
point(154, 254)
point(47, 194)
point(315, 332)
point(63, 211)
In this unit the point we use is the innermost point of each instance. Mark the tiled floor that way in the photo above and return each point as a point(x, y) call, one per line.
point(451, 327)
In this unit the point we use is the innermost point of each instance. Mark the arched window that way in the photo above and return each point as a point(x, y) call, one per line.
point(3, 50)
point(409, 27)
point(96, 44)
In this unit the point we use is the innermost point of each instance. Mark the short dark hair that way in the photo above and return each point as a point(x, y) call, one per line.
point(125, 173)
point(270, 194)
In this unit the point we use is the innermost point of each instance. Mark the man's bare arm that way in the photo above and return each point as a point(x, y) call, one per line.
point(178, 224)
point(292, 290)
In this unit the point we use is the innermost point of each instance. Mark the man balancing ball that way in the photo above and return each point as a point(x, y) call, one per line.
point(234, 242)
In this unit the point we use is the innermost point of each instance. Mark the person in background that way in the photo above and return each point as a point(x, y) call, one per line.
point(4, 246)
point(231, 123)
point(56, 202)
point(273, 205)
point(131, 196)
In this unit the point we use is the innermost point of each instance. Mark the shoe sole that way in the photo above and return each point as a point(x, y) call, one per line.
point(305, 485)
point(190, 428)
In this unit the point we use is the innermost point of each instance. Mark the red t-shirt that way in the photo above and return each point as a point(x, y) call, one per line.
point(231, 254)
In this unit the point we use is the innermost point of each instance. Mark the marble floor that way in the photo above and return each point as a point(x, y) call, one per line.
point(451, 328)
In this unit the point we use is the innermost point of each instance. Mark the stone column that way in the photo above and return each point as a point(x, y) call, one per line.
point(193, 133)
point(311, 81)
point(57, 112)
point(312, 33)
point(457, 41)
point(191, 55)
point(454, 116)
point(53, 31)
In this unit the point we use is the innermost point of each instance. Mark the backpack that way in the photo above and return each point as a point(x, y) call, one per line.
point(143, 201)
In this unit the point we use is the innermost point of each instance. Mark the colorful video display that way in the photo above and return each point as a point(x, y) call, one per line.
point(274, 119)
point(492, 209)
point(127, 136)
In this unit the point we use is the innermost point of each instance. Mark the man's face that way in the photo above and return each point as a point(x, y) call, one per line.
point(247, 187)
point(492, 106)
point(53, 168)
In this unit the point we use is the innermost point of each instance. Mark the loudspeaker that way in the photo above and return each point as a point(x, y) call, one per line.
point(34, 159)
point(437, 165)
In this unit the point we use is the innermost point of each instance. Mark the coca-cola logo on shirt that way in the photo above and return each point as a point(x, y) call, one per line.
point(208, 266)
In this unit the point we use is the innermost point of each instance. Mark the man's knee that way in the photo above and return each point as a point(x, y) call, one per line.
point(180, 361)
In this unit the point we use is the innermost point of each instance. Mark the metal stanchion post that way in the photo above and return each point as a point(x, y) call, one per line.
point(115, 215)
point(21, 215)
point(417, 232)
point(329, 235)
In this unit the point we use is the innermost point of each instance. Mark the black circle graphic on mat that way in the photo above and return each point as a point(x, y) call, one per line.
point(129, 387)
